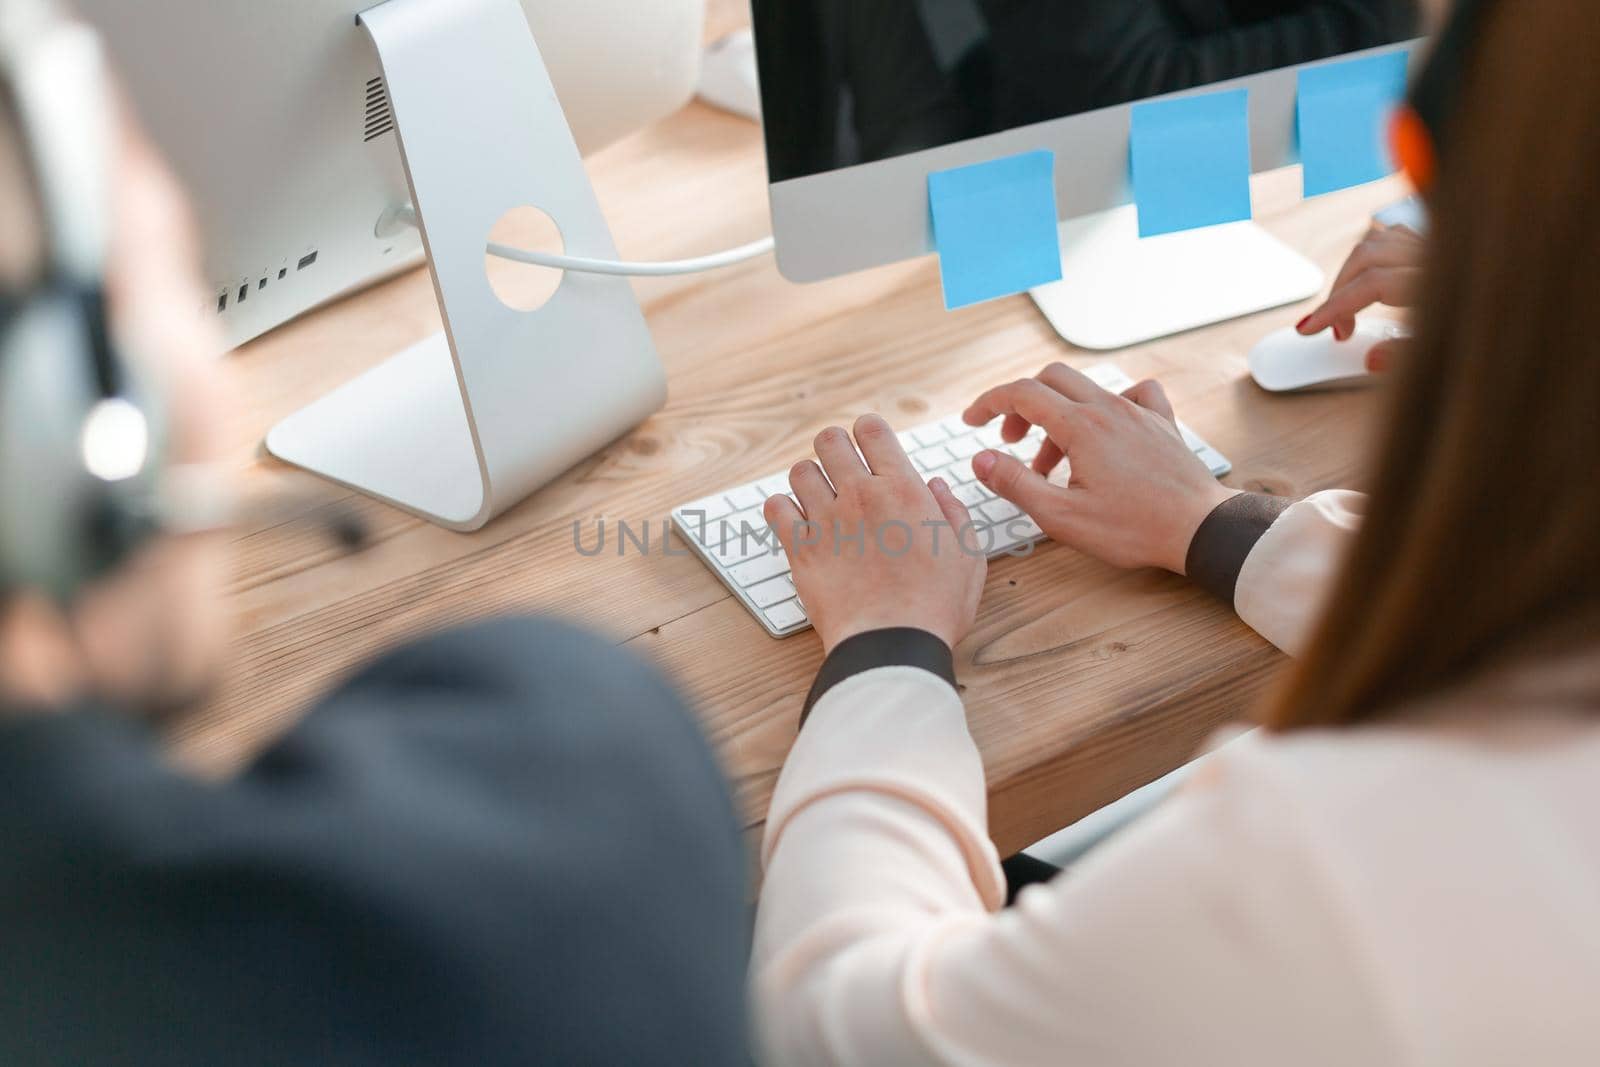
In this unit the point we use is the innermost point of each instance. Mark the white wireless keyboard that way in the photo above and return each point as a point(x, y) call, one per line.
point(728, 531)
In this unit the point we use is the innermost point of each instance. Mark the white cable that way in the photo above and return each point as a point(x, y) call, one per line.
point(582, 265)
point(700, 265)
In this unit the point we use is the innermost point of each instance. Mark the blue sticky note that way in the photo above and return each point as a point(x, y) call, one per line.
point(1343, 117)
point(994, 225)
point(1191, 162)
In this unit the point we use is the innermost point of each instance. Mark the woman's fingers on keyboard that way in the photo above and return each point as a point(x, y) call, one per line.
point(1049, 457)
point(811, 488)
point(1149, 395)
point(1029, 400)
point(955, 512)
point(1072, 384)
point(839, 458)
point(1014, 429)
point(783, 515)
point(959, 516)
point(1010, 478)
point(881, 448)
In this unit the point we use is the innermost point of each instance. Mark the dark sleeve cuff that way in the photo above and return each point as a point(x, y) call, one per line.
point(905, 647)
point(1226, 538)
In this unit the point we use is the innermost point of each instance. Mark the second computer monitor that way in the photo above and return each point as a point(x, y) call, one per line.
point(862, 99)
point(277, 119)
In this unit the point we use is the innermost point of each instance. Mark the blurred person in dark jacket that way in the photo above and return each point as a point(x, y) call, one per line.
point(507, 844)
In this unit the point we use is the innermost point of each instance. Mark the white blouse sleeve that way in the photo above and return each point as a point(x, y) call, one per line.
point(1286, 578)
point(1201, 936)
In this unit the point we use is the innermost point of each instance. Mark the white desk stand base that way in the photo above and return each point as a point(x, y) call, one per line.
point(462, 426)
point(1118, 290)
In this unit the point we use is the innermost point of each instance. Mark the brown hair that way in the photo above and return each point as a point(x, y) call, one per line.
point(1483, 530)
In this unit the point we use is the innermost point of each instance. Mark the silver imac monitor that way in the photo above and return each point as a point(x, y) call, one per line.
point(278, 121)
point(863, 99)
point(304, 129)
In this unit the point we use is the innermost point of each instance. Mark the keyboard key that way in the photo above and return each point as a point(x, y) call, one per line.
point(1215, 461)
point(1109, 377)
point(750, 523)
point(778, 483)
point(715, 507)
point(774, 592)
point(956, 426)
point(971, 494)
point(707, 531)
point(759, 570)
point(907, 442)
point(932, 458)
point(965, 447)
point(1012, 534)
point(929, 435)
point(786, 615)
point(1000, 542)
point(975, 486)
point(953, 475)
point(1000, 511)
point(746, 496)
point(740, 546)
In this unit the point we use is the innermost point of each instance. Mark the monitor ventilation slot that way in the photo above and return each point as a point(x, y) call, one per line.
point(380, 116)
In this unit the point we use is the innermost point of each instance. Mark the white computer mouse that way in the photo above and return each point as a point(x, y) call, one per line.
point(1286, 362)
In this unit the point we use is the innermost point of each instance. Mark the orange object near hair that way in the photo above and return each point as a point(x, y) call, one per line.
point(1412, 144)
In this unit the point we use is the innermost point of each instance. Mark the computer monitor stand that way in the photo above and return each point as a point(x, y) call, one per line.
point(1119, 290)
point(463, 425)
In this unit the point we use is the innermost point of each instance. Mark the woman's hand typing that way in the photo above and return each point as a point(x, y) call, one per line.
point(1136, 494)
point(871, 546)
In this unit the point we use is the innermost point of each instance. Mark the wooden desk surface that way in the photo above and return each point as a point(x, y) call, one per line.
point(1082, 682)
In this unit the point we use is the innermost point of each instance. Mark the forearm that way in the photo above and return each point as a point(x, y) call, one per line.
point(876, 942)
point(862, 885)
point(876, 842)
point(892, 734)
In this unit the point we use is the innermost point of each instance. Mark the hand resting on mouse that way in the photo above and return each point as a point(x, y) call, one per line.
point(1385, 268)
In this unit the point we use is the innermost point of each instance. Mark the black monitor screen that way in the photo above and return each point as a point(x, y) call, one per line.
point(855, 81)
